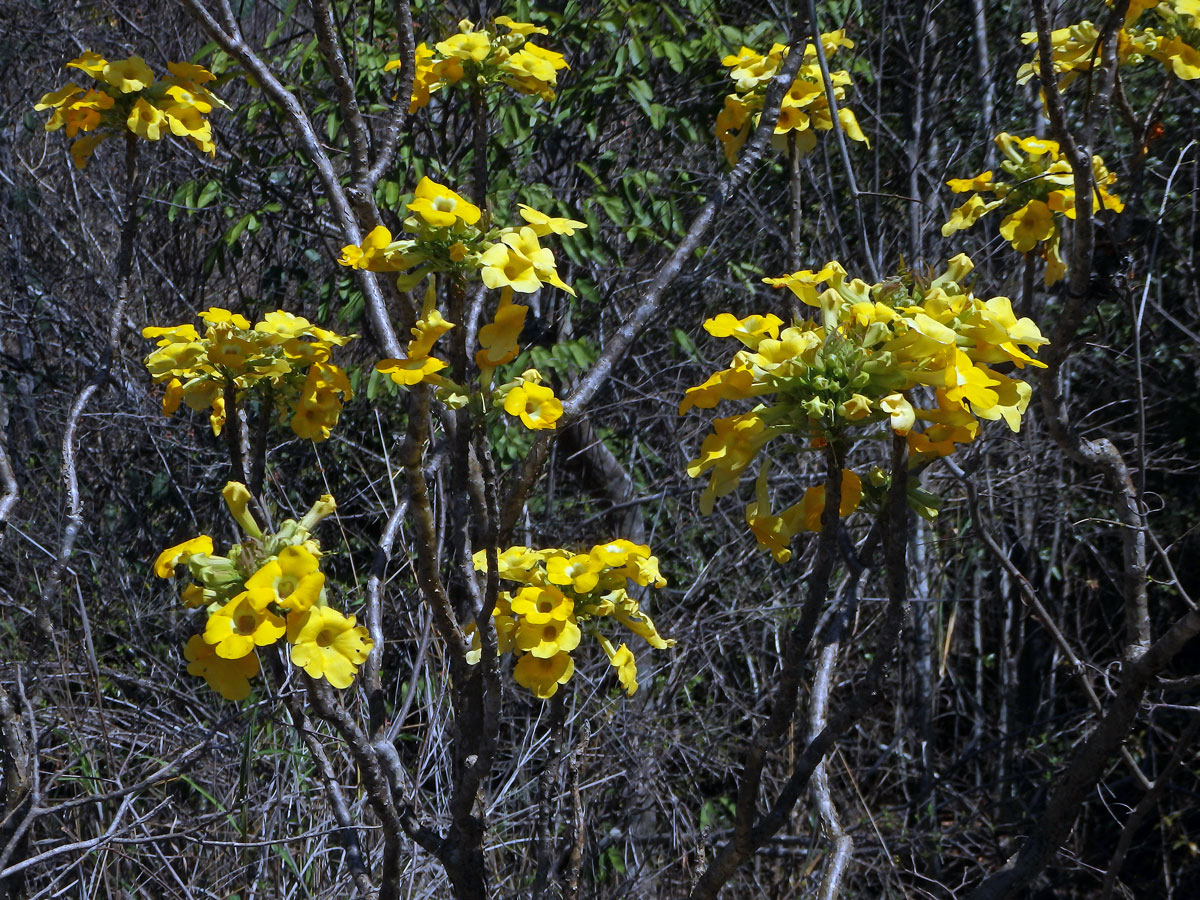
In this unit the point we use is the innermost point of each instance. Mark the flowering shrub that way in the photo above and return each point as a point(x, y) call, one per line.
point(265, 588)
point(126, 99)
point(564, 596)
point(1039, 191)
point(284, 360)
point(453, 236)
point(485, 56)
point(1170, 38)
point(876, 350)
point(805, 109)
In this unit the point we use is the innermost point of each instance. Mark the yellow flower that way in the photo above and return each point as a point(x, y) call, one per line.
point(728, 384)
point(291, 579)
point(983, 182)
point(410, 371)
point(814, 500)
point(237, 498)
point(520, 262)
point(92, 63)
point(188, 121)
point(499, 337)
point(128, 75)
point(172, 397)
point(804, 283)
point(164, 566)
point(472, 45)
point(968, 214)
point(521, 28)
point(627, 611)
point(441, 207)
point(216, 315)
point(327, 644)
point(372, 255)
point(750, 330)
point(228, 350)
point(900, 411)
point(616, 552)
point(1031, 223)
point(237, 627)
point(428, 329)
point(535, 404)
point(59, 98)
point(728, 451)
point(541, 604)
point(534, 70)
point(622, 660)
point(228, 677)
point(1181, 58)
point(147, 120)
point(580, 572)
point(543, 224)
point(751, 69)
point(190, 72)
point(542, 675)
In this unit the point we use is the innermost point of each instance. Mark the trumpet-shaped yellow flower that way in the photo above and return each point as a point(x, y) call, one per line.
point(535, 405)
point(543, 675)
point(327, 644)
point(814, 500)
point(239, 626)
point(547, 639)
point(541, 604)
point(520, 262)
point(623, 661)
point(728, 451)
point(441, 207)
point(498, 339)
point(472, 45)
point(580, 572)
point(291, 579)
point(164, 566)
point(128, 75)
point(1031, 223)
point(228, 677)
point(543, 224)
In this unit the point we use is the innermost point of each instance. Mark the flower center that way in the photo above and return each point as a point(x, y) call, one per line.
point(325, 638)
point(550, 633)
point(245, 623)
point(444, 204)
point(285, 585)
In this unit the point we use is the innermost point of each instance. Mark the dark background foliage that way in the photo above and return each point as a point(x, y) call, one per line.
point(936, 784)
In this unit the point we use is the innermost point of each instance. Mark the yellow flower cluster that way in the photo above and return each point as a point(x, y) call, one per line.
point(127, 98)
point(805, 108)
point(524, 398)
point(563, 596)
point(876, 346)
point(285, 358)
point(268, 587)
point(446, 236)
point(485, 56)
point(450, 234)
point(1172, 40)
point(1038, 188)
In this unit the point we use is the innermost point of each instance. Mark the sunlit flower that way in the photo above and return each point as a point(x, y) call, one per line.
point(291, 579)
point(228, 677)
point(535, 405)
point(238, 626)
point(543, 675)
point(327, 644)
point(441, 207)
point(164, 566)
